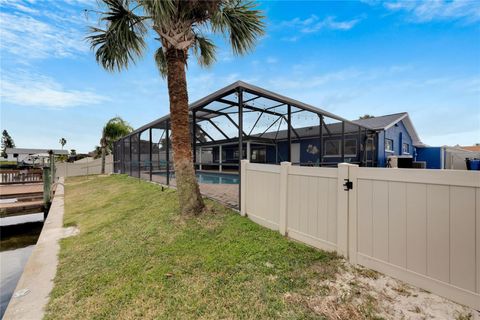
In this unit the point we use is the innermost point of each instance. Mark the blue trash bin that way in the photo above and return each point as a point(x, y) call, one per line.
point(475, 164)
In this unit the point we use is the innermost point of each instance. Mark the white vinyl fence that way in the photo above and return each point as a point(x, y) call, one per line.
point(420, 226)
point(84, 167)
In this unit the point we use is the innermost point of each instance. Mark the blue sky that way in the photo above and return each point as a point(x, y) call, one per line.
point(349, 58)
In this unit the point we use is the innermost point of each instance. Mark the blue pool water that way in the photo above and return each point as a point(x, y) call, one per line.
point(217, 178)
point(211, 177)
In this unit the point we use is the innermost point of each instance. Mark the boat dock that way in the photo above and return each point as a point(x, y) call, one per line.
point(20, 199)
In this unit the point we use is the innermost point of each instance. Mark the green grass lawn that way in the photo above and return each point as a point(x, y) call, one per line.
point(136, 258)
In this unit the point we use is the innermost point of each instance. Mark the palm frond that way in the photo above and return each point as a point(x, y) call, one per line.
point(159, 10)
point(241, 21)
point(161, 61)
point(114, 129)
point(204, 49)
point(122, 41)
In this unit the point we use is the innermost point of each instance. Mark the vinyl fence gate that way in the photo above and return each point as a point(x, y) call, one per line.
point(420, 226)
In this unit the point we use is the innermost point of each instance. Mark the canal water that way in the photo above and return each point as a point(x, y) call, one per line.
point(18, 236)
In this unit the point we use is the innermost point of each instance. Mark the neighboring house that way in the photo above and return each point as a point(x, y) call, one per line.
point(446, 157)
point(9, 157)
point(31, 156)
point(475, 148)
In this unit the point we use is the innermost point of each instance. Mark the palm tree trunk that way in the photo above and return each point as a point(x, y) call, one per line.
point(189, 196)
point(103, 160)
point(103, 145)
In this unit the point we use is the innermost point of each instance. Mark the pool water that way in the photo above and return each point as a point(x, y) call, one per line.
point(217, 178)
point(211, 177)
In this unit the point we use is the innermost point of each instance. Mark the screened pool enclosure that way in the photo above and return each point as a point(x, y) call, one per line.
point(242, 121)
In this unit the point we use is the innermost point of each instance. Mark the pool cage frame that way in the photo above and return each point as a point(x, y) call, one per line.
point(235, 101)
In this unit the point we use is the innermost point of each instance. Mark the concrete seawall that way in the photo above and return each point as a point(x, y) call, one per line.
point(33, 289)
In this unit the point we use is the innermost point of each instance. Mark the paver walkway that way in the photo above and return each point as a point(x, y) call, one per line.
point(225, 193)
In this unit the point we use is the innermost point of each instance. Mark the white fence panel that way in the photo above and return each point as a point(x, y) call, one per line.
point(263, 194)
point(312, 206)
point(84, 167)
point(421, 226)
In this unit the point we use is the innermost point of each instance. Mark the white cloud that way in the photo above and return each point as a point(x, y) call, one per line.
point(467, 11)
point(26, 89)
point(315, 24)
point(27, 33)
point(17, 5)
point(303, 81)
point(291, 39)
point(225, 56)
point(330, 23)
point(272, 60)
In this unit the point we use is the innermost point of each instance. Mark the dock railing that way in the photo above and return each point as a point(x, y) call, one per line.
point(20, 176)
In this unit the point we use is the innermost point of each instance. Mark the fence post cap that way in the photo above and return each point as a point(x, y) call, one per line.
point(346, 164)
point(285, 163)
point(244, 161)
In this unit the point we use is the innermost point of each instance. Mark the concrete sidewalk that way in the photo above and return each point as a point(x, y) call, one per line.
point(33, 289)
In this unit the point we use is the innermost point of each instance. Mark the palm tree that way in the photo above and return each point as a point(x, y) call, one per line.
point(113, 130)
point(63, 142)
point(180, 26)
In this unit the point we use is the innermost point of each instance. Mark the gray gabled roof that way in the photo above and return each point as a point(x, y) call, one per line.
point(389, 120)
point(312, 131)
point(381, 122)
point(375, 124)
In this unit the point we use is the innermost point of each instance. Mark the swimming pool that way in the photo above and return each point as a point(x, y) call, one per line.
point(217, 178)
point(211, 177)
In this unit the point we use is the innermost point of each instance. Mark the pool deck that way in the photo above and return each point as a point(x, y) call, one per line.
point(224, 193)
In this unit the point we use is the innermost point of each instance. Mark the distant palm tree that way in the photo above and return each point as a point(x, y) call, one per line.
point(180, 26)
point(366, 116)
point(113, 130)
point(63, 142)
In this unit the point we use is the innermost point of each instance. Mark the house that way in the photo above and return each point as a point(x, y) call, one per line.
point(243, 121)
point(445, 157)
point(388, 135)
point(395, 136)
point(475, 148)
point(28, 156)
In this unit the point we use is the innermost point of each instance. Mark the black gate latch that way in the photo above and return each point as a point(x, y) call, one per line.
point(348, 185)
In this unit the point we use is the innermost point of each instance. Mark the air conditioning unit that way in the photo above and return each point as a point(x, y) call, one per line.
point(400, 162)
point(419, 164)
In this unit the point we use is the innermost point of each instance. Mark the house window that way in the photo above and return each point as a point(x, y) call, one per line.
point(405, 148)
point(388, 144)
point(259, 155)
point(332, 147)
point(350, 147)
point(236, 153)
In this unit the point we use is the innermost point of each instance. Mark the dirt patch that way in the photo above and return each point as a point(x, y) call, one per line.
point(359, 293)
point(70, 232)
point(397, 300)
